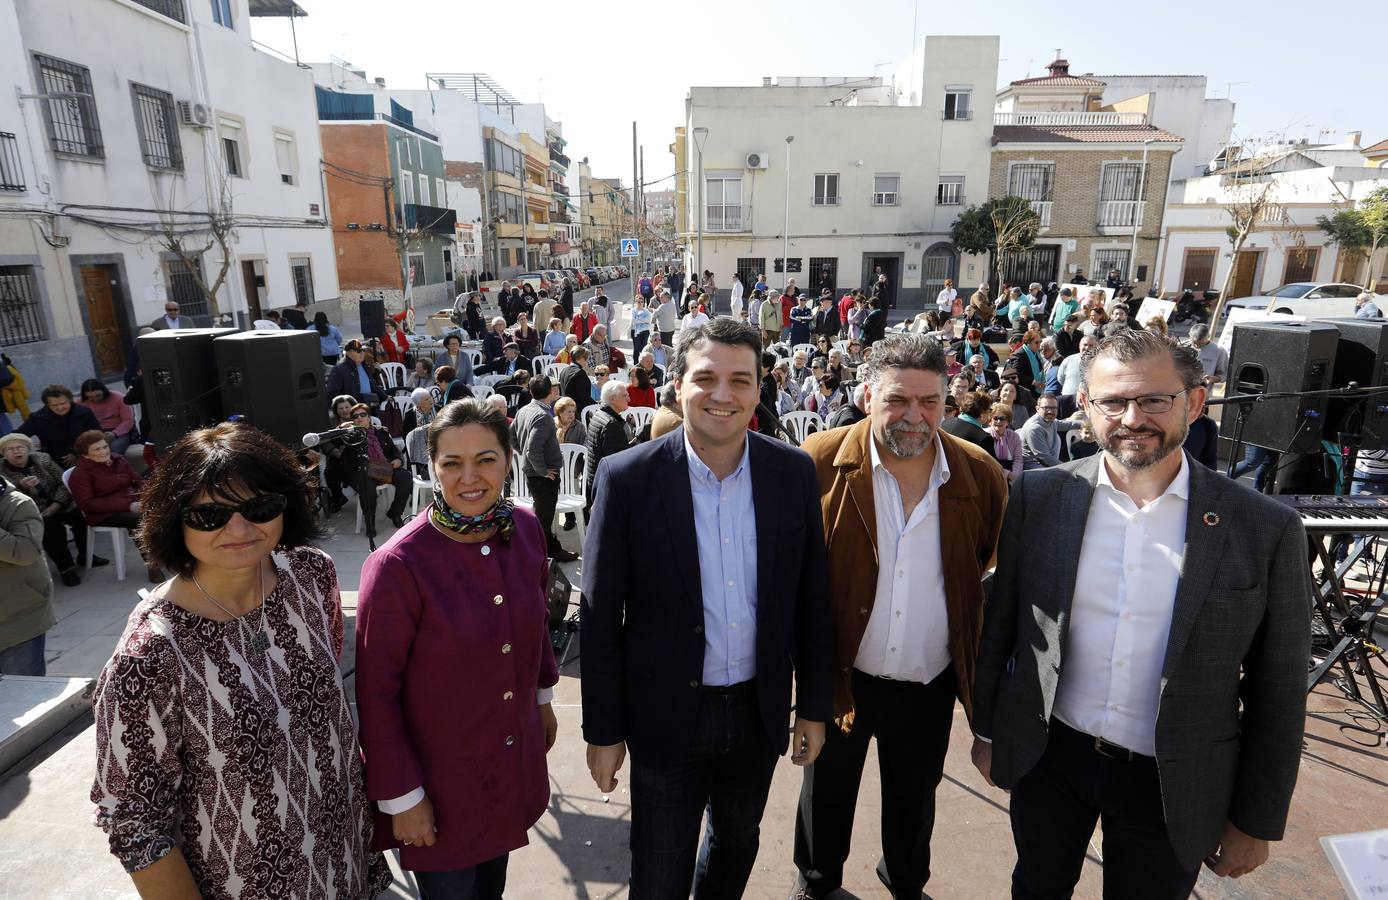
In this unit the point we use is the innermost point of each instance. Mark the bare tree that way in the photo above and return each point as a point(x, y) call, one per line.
point(1250, 202)
point(189, 235)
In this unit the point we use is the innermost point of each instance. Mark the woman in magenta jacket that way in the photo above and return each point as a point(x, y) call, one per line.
point(455, 670)
point(106, 488)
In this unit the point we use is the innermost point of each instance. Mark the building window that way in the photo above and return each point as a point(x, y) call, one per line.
point(440, 194)
point(886, 190)
point(824, 272)
point(950, 191)
point(21, 319)
point(72, 124)
point(170, 8)
point(826, 190)
point(221, 14)
point(506, 208)
point(723, 203)
point(424, 190)
point(406, 187)
point(1301, 264)
point(301, 273)
point(231, 147)
point(158, 127)
point(1120, 181)
point(447, 264)
point(416, 269)
point(958, 103)
point(11, 172)
point(183, 286)
point(1107, 260)
point(501, 158)
point(286, 157)
point(1031, 181)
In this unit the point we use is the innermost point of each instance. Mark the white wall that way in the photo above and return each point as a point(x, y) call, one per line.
point(1179, 105)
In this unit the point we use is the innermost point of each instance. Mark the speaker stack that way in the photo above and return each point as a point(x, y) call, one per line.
point(1276, 357)
point(181, 383)
point(274, 380)
point(373, 317)
point(1361, 358)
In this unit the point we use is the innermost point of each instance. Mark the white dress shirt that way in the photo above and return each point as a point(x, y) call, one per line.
point(907, 637)
point(1120, 617)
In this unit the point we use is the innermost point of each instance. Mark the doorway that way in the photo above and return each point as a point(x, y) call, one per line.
point(883, 265)
point(104, 324)
point(253, 283)
point(938, 264)
point(1245, 282)
point(1197, 274)
point(1040, 264)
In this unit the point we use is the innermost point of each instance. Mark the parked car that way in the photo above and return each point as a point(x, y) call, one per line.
point(538, 280)
point(594, 275)
point(1304, 298)
point(579, 279)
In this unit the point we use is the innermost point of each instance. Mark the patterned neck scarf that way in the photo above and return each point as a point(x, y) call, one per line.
point(449, 519)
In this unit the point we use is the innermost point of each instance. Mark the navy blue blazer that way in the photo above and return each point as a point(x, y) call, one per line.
point(642, 617)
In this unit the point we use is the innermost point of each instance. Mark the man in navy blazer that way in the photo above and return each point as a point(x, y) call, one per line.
point(704, 591)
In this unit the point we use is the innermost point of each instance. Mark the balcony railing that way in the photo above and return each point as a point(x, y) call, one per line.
point(326, 115)
point(11, 172)
point(728, 218)
point(1043, 209)
point(1069, 118)
point(171, 8)
point(430, 219)
point(1120, 213)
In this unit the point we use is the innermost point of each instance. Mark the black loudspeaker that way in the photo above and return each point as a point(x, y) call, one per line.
point(1362, 358)
point(180, 375)
point(274, 380)
point(1274, 357)
point(373, 317)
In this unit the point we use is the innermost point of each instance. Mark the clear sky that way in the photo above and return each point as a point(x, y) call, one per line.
point(1304, 71)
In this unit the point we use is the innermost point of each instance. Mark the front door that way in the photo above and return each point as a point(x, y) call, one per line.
point(1198, 271)
point(1245, 273)
point(937, 265)
point(889, 266)
point(108, 348)
point(248, 278)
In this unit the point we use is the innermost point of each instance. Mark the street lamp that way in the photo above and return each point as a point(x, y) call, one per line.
point(700, 136)
point(785, 235)
point(1137, 213)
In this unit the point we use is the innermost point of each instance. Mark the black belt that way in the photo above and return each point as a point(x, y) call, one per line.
point(730, 690)
point(1106, 749)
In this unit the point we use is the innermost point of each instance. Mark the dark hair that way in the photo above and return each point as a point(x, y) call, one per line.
point(445, 373)
point(641, 377)
point(320, 323)
point(231, 461)
point(977, 404)
point(340, 399)
point(469, 411)
point(428, 363)
point(94, 384)
point(354, 346)
point(452, 337)
point(722, 330)
point(904, 351)
point(55, 390)
point(272, 315)
point(358, 407)
point(85, 440)
point(1130, 345)
point(540, 386)
point(579, 352)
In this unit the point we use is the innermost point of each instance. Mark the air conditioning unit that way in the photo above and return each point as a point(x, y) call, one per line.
point(758, 160)
point(195, 115)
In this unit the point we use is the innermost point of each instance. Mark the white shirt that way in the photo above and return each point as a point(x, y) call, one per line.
point(944, 301)
point(693, 320)
point(1120, 617)
point(907, 635)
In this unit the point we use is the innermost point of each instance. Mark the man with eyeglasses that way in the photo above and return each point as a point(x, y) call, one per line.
point(1041, 434)
point(1155, 679)
point(170, 319)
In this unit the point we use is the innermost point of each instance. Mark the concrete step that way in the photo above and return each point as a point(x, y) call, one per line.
point(32, 710)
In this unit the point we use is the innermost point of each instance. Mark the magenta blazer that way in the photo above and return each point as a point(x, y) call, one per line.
point(452, 643)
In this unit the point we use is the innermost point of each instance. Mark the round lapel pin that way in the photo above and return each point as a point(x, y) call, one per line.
point(1211, 519)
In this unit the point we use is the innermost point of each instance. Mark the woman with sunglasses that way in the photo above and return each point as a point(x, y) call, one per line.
point(455, 670)
point(227, 759)
point(379, 448)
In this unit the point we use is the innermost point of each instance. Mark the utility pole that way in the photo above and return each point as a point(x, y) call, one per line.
point(785, 236)
point(635, 208)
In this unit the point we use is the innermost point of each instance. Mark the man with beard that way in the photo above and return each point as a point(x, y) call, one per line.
point(912, 517)
point(1041, 434)
point(1155, 677)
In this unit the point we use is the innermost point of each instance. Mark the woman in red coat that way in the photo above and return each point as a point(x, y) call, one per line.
point(394, 343)
point(641, 392)
point(455, 671)
point(106, 488)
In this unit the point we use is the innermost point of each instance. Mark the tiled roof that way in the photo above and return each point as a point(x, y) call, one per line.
point(1060, 81)
point(1376, 149)
point(1081, 134)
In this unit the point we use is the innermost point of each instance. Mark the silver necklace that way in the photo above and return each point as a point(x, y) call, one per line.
point(257, 639)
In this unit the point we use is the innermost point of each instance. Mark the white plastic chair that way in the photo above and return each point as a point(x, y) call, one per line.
point(424, 486)
point(520, 491)
point(553, 369)
point(382, 501)
point(393, 374)
point(116, 535)
point(482, 391)
point(538, 363)
point(572, 475)
point(802, 423)
point(264, 325)
point(588, 414)
point(402, 402)
point(477, 357)
point(808, 348)
point(1072, 437)
point(639, 416)
point(490, 380)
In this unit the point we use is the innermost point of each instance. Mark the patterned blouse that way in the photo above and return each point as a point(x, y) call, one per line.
point(246, 760)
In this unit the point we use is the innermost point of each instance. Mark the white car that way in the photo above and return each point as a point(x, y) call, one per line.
point(1316, 300)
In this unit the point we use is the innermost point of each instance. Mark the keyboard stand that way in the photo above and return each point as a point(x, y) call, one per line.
point(1354, 626)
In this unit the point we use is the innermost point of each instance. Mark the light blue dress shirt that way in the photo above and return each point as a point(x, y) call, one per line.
point(725, 530)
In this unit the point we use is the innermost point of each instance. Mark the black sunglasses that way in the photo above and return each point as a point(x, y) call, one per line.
point(212, 516)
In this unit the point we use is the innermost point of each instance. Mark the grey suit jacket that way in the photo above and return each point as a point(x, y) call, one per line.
point(1233, 685)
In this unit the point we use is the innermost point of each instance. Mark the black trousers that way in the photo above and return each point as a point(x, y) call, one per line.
point(911, 722)
point(544, 492)
point(1056, 805)
point(638, 343)
point(55, 537)
point(366, 494)
point(727, 771)
point(484, 881)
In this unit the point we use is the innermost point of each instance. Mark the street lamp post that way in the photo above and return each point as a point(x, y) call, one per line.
point(700, 137)
point(785, 234)
point(1137, 213)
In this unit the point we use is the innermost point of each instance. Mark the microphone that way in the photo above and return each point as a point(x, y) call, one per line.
point(313, 439)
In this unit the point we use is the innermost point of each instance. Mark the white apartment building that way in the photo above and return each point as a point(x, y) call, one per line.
point(872, 177)
point(142, 118)
point(1287, 247)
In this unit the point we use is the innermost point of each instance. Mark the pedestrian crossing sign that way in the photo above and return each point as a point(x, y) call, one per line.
point(631, 247)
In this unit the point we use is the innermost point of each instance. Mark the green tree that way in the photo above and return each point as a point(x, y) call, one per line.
point(1362, 229)
point(999, 226)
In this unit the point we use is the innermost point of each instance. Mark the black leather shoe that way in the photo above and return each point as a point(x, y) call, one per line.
point(99, 561)
point(564, 556)
point(397, 521)
point(71, 578)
